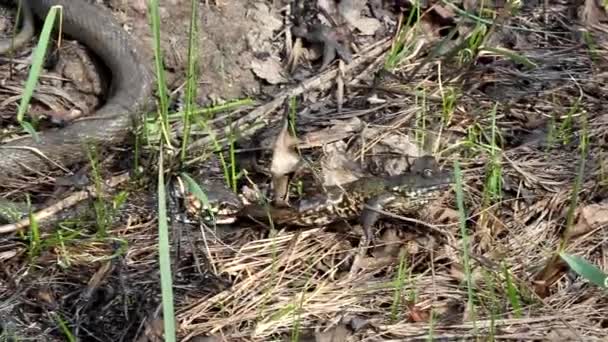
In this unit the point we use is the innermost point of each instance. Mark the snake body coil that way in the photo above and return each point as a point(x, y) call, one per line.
point(130, 93)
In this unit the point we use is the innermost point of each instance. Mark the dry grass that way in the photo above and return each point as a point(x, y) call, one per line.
point(411, 287)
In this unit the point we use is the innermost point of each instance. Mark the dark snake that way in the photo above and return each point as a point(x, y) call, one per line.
point(130, 94)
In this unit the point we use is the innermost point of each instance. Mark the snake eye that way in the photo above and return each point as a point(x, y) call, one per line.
point(427, 172)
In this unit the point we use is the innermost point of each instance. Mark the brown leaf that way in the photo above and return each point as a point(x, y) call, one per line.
point(443, 215)
point(100, 275)
point(351, 11)
point(457, 272)
point(389, 244)
point(153, 331)
point(269, 69)
point(284, 156)
point(296, 55)
point(590, 217)
point(46, 296)
point(417, 314)
point(357, 323)
point(280, 185)
point(553, 270)
point(562, 334)
point(488, 227)
point(444, 12)
point(469, 312)
point(339, 333)
point(469, 5)
point(337, 167)
point(285, 160)
point(340, 130)
point(140, 6)
point(212, 338)
point(591, 14)
point(452, 313)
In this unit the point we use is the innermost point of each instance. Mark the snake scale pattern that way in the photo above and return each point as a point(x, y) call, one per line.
point(130, 93)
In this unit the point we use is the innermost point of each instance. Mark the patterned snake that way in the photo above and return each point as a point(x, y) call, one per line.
point(130, 92)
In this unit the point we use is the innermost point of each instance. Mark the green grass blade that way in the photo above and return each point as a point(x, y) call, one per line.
point(29, 129)
point(191, 77)
point(63, 327)
point(515, 57)
point(586, 269)
point(512, 293)
point(197, 191)
point(399, 286)
point(34, 233)
point(465, 238)
point(578, 181)
point(34, 73)
point(163, 107)
point(164, 254)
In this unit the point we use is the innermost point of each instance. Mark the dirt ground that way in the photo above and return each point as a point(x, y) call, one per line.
point(524, 117)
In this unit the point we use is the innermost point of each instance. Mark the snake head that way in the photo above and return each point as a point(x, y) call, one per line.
point(210, 200)
point(221, 206)
point(424, 180)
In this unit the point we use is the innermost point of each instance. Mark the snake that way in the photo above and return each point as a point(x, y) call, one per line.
point(130, 93)
point(405, 193)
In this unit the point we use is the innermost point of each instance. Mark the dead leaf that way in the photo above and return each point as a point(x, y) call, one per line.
point(284, 156)
point(487, 228)
point(442, 214)
point(469, 313)
point(553, 270)
point(457, 272)
point(452, 313)
point(269, 70)
point(5, 255)
point(285, 160)
point(280, 184)
point(417, 314)
point(259, 36)
point(388, 244)
point(140, 6)
point(590, 217)
point(340, 130)
point(97, 279)
point(444, 12)
point(46, 296)
point(61, 117)
point(351, 12)
point(153, 331)
point(357, 323)
point(339, 333)
point(562, 334)
point(201, 338)
point(296, 55)
point(329, 6)
point(264, 14)
point(591, 14)
point(470, 5)
point(337, 168)
point(389, 152)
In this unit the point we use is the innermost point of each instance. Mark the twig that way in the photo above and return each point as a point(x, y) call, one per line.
point(261, 116)
point(65, 203)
